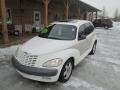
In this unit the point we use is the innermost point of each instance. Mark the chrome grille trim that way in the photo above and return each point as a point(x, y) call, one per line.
point(29, 60)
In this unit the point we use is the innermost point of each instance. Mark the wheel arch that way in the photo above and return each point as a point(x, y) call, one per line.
point(69, 59)
point(73, 61)
point(72, 54)
point(96, 41)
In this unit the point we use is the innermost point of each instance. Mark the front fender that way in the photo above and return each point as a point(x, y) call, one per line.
point(63, 54)
point(68, 53)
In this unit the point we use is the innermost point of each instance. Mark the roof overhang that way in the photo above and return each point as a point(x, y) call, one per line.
point(79, 3)
point(88, 7)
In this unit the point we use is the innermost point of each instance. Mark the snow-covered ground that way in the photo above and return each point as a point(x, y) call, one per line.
point(98, 72)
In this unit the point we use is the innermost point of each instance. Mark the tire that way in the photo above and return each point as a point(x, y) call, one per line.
point(106, 27)
point(66, 71)
point(93, 49)
point(1, 35)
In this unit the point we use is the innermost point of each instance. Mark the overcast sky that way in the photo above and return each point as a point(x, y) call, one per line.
point(110, 5)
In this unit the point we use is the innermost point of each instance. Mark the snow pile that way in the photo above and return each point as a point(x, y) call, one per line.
point(116, 25)
point(7, 51)
point(76, 83)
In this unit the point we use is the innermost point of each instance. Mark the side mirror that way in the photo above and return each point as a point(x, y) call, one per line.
point(82, 37)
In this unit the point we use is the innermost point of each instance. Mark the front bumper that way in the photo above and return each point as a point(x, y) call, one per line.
point(34, 70)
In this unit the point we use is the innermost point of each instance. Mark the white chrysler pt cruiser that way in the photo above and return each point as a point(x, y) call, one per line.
point(52, 55)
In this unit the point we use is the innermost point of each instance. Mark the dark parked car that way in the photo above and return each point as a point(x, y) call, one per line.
point(106, 23)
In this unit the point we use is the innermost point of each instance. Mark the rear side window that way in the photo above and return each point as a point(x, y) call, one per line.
point(81, 31)
point(89, 28)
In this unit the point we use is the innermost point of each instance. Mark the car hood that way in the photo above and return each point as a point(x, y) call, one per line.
point(38, 46)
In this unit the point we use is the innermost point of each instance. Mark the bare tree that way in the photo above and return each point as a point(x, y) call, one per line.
point(104, 13)
point(100, 15)
point(116, 15)
point(119, 17)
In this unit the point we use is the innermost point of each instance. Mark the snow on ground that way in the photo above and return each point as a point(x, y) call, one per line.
point(117, 69)
point(98, 72)
point(76, 83)
point(7, 51)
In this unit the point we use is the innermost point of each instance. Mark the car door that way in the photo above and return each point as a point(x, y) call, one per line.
point(82, 43)
point(90, 35)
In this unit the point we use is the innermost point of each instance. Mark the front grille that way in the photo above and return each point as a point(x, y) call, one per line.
point(29, 60)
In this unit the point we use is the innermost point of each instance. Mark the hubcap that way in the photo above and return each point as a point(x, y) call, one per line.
point(106, 27)
point(68, 70)
point(94, 48)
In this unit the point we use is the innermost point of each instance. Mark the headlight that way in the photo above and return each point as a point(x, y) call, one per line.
point(53, 63)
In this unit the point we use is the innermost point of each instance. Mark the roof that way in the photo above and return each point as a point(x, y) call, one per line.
point(88, 7)
point(81, 4)
point(74, 22)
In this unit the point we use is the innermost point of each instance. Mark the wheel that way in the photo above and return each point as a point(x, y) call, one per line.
point(66, 71)
point(93, 49)
point(106, 27)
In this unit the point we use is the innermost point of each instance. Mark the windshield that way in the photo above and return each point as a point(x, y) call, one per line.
point(59, 32)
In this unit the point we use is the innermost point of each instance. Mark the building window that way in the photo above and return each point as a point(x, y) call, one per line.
point(9, 16)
